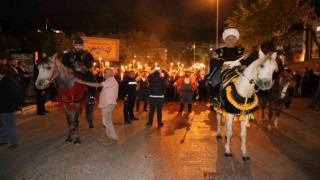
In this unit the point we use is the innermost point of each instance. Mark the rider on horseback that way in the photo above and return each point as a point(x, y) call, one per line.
point(80, 61)
point(223, 58)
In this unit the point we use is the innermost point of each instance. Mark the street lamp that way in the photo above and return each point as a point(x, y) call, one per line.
point(217, 25)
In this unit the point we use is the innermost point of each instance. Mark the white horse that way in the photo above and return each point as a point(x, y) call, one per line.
point(71, 96)
point(238, 98)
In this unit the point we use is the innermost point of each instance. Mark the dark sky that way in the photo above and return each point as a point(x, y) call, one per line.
point(170, 19)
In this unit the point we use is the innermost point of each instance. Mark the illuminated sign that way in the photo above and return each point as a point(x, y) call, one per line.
point(104, 48)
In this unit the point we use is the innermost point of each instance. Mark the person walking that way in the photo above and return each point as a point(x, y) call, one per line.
point(107, 100)
point(186, 86)
point(11, 100)
point(157, 90)
point(142, 90)
point(129, 91)
point(80, 61)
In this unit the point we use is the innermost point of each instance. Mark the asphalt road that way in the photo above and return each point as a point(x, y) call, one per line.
point(184, 148)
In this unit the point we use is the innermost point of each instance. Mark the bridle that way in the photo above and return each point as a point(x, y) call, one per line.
point(54, 72)
point(253, 81)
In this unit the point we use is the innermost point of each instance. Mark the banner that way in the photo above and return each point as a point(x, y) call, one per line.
point(102, 48)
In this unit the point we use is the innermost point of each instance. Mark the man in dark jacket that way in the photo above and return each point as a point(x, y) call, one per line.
point(24, 78)
point(10, 100)
point(142, 90)
point(157, 90)
point(80, 61)
point(128, 89)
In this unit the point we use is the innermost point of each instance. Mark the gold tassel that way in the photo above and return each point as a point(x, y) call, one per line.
point(251, 116)
point(236, 119)
point(248, 124)
point(242, 117)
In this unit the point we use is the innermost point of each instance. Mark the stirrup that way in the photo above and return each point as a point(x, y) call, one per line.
point(214, 102)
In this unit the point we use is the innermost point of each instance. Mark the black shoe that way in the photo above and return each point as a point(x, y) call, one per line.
point(13, 146)
point(3, 143)
point(148, 124)
point(145, 110)
point(91, 126)
point(46, 111)
point(127, 122)
point(134, 119)
point(41, 113)
point(160, 125)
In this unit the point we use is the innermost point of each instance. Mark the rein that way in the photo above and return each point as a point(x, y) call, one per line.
point(244, 56)
point(51, 79)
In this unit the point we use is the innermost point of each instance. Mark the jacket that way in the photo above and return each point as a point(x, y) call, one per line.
point(10, 96)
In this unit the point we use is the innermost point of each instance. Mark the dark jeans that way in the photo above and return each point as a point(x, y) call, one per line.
point(8, 131)
point(89, 113)
point(144, 97)
point(156, 103)
point(128, 108)
point(41, 100)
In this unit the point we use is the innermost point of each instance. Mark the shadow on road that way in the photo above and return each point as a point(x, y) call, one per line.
point(230, 168)
point(304, 158)
point(180, 121)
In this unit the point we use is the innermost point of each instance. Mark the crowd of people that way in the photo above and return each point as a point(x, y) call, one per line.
point(152, 87)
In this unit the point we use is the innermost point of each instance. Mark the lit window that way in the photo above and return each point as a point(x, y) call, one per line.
point(318, 28)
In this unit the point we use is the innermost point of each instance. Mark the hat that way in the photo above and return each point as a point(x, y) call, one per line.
point(78, 40)
point(230, 31)
point(268, 46)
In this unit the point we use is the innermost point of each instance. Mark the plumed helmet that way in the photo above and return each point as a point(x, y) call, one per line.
point(230, 31)
point(78, 40)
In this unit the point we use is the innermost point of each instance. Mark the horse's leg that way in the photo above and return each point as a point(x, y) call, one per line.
point(254, 118)
point(219, 117)
point(263, 107)
point(271, 104)
point(69, 121)
point(243, 135)
point(76, 125)
point(277, 114)
point(228, 126)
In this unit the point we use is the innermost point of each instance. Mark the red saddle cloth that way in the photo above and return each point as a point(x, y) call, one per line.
point(72, 97)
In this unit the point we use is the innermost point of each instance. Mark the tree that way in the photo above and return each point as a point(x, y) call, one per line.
point(262, 20)
point(8, 44)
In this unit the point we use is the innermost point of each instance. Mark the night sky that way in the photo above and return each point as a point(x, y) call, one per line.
point(169, 19)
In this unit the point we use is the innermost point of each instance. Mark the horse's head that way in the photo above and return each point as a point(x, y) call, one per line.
point(266, 66)
point(47, 71)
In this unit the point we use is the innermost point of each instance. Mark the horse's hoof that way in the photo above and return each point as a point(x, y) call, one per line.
point(228, 155)
point(219, 138)
point(69, 140)
point(77, 141)
point(245, 158)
